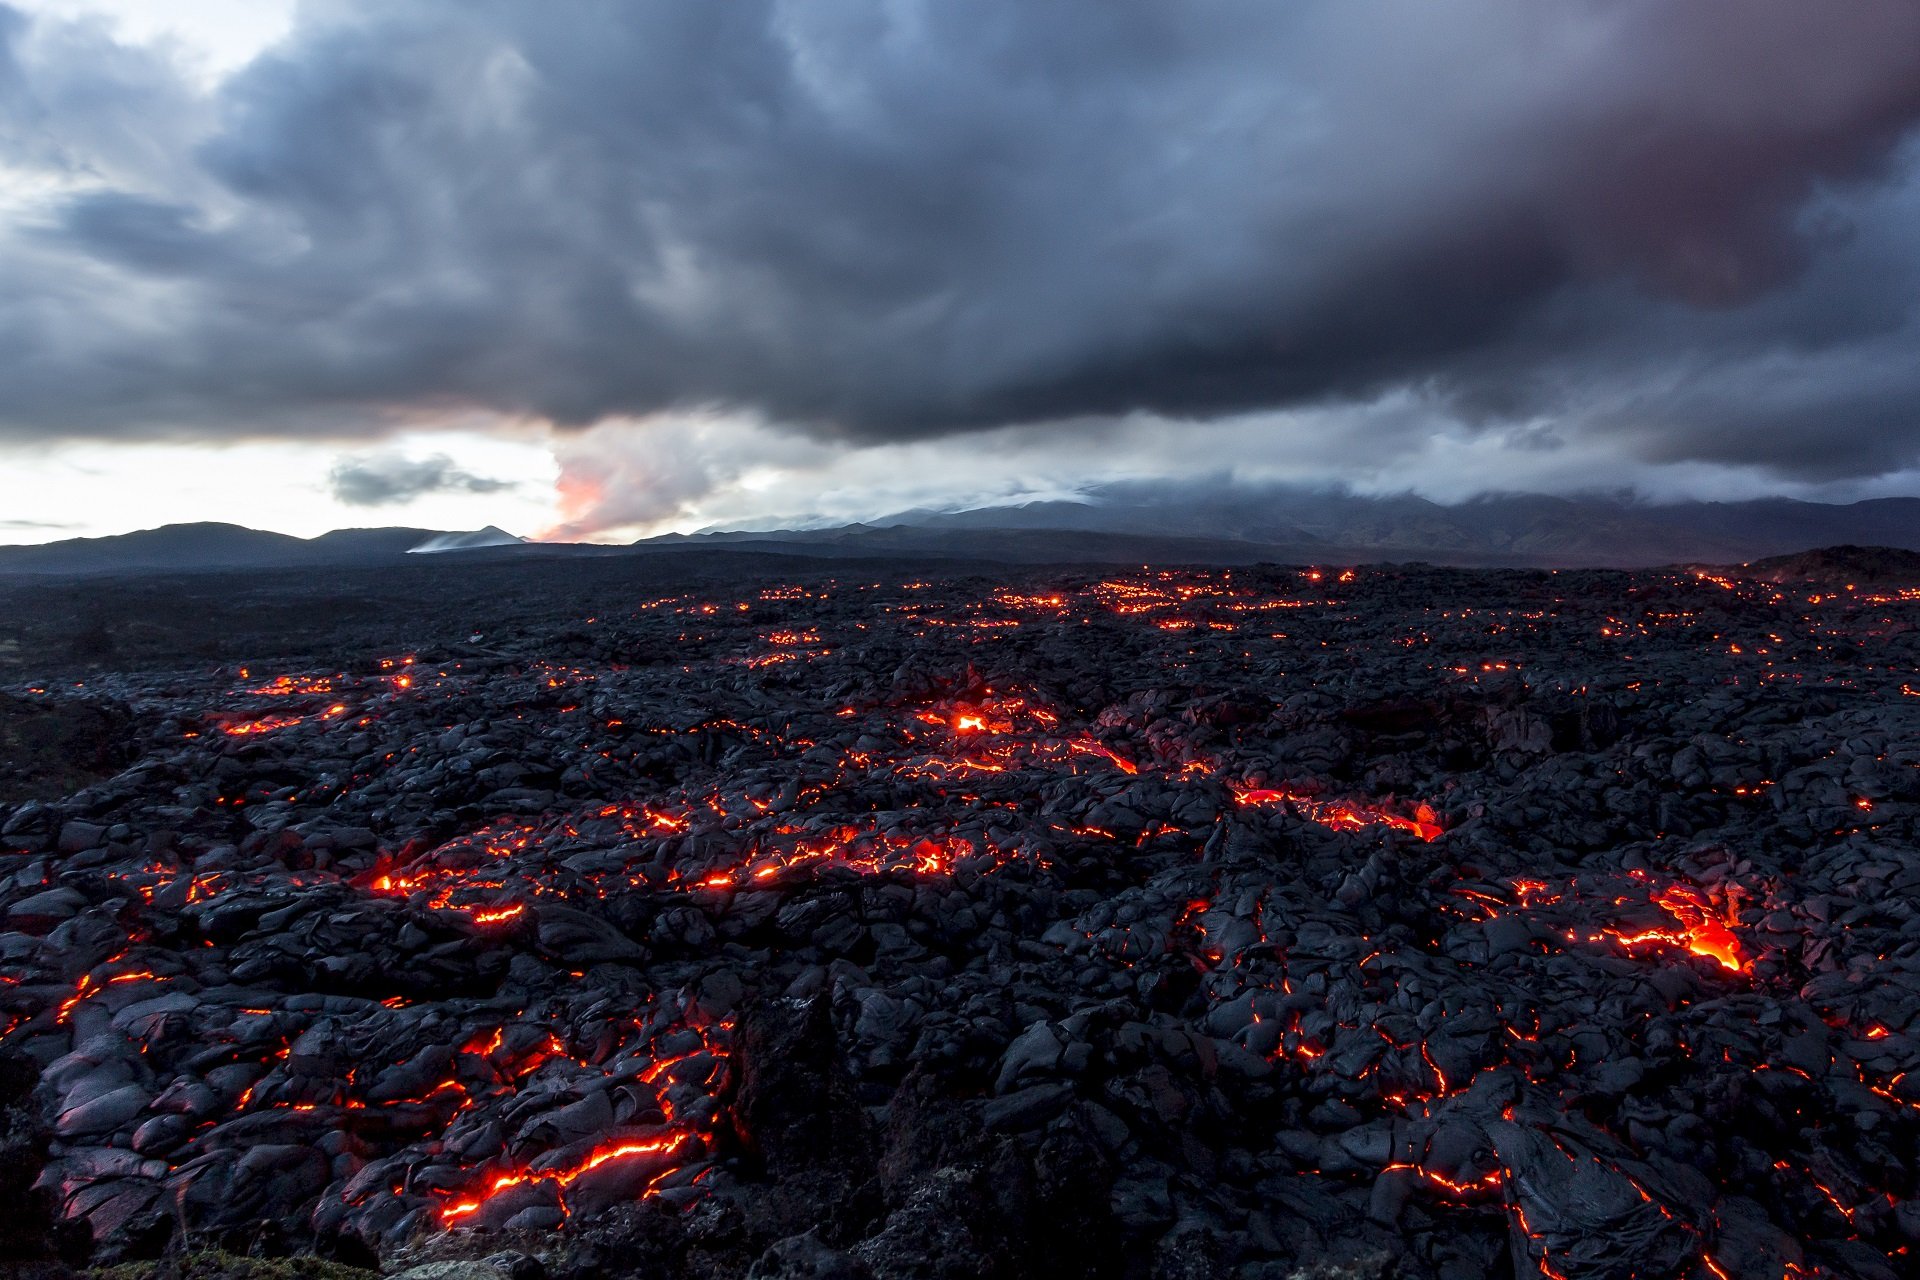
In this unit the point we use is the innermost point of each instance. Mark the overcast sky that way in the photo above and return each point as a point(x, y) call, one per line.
point(614, 267)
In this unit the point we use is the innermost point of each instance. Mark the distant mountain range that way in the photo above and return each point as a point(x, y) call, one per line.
point(1168, 524)
point(1137, 525)
point(178, 548)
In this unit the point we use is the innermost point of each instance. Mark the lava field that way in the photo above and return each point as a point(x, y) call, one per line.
point(1263, 923)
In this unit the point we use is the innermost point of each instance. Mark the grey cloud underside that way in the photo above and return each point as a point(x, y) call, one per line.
point(1687, 226)
point(385, 480)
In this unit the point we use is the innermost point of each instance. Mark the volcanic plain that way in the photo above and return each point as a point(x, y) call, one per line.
point(721, 915)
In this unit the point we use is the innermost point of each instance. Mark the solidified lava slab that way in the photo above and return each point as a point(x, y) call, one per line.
point(1250, 923)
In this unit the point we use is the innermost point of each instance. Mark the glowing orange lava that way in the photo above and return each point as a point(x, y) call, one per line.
point(1700, 931)
point(1341, 815)
point(450, 1214)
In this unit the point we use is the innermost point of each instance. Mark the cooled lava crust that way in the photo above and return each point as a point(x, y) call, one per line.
point(1254, 923)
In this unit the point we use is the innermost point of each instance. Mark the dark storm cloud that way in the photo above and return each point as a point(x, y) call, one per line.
point(1676, 224)
point(387, 480)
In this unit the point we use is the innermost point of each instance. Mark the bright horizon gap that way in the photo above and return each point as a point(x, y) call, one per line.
point(281, 487)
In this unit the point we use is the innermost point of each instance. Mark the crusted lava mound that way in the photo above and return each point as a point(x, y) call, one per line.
point(1845, 567)
point(1256, 924)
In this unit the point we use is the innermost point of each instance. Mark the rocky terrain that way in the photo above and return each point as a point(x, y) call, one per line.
point(798, 921)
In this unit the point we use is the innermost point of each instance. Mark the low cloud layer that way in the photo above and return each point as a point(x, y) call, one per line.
point(1635, 232)
point(391, 480)
point(624, 478)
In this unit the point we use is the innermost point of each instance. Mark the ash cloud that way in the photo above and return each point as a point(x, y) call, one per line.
point(1678, 232)
point(389, 480)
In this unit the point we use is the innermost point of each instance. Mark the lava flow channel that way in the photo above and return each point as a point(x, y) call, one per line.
point(1341, 815)
point(638, 1176)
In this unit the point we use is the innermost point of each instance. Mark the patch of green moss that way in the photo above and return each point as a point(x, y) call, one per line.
point(211, 1264)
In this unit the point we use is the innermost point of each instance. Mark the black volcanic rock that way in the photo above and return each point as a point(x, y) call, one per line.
point(1258, 923)
point(34, 1243)
point(52, 747)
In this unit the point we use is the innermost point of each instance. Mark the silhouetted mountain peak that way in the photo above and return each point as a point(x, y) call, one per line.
point(491, 536)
